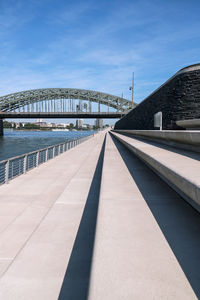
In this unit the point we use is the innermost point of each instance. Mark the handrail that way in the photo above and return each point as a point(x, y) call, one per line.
point(18, 165)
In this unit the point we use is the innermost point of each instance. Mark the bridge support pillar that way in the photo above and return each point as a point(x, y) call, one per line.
point(1, 127)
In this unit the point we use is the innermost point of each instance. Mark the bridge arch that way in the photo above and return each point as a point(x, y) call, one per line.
point(20, 99)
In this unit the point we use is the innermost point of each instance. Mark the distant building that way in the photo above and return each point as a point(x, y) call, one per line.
point(62, 125)
point(41, 123)
point(79, 123)
point(52, 125)
point(99, 123)
point(89, 126)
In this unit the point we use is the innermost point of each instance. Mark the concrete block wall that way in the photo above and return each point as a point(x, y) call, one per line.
point(178, 99)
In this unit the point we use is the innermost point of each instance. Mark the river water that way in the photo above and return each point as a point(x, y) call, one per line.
point(14, 143)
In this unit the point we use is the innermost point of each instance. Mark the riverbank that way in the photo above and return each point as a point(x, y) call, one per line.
point(18, 142)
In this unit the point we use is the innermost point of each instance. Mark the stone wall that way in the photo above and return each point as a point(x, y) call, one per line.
point(178, 99)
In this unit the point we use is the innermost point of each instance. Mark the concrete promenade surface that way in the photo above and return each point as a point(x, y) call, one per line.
point(96, 223)
point(40, 216)
point(136, 253)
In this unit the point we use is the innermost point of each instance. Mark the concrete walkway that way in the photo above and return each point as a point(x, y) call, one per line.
point(136, 253)
point(40, 216)
point(145, 244)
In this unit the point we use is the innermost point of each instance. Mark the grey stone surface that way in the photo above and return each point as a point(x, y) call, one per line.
point(192, 123)
point(180, 168)
point(184, 139)
point(178, 99)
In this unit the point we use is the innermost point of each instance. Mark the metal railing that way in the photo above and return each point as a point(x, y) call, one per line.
point(15, 166)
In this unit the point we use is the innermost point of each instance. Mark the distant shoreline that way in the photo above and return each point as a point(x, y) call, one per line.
point(24, 129)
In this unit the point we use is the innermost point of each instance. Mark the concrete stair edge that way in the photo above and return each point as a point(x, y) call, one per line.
point(187, 189)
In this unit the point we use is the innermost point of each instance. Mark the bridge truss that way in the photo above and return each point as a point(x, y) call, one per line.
point(62, 100)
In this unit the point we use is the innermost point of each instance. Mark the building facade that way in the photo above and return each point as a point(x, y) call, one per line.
point(79, 123)
point(99, 123)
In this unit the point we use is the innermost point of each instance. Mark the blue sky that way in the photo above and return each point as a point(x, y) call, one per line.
point(96, 44)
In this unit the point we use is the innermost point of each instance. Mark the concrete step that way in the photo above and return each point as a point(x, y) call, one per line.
point(136, 254)
point(182, 139)
point(179, 168)
point(41, 213)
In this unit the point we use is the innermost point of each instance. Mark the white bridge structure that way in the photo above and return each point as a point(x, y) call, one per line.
point(63, 102)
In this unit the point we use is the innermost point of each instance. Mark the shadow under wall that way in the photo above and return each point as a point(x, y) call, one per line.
point(179, 222)
point(76, 281)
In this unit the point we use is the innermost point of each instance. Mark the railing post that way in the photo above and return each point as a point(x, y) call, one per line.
point(25, 163)
point(7, 171)
point(37, 158)
point(58, 149)
point(53, 152)
point(46, 155)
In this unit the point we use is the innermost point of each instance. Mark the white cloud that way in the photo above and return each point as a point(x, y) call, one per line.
point(96, 56)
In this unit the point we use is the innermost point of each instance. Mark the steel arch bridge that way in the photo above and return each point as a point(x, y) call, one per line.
point(61, 102)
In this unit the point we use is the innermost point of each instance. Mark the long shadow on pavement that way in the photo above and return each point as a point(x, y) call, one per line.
point(76, 281)
point(179, 222)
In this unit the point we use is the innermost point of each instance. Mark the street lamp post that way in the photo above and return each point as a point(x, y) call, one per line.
point(131, 88)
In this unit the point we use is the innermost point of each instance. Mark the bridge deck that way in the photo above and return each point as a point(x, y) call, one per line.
point(61, 115)
point(147, 237)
